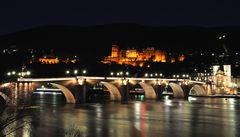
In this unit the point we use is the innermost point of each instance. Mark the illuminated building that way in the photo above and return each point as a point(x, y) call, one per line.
point(48, 61)
point(114, 51)
point(52, 59)
point(181, 58)
point(222, 80)
point(138, 58)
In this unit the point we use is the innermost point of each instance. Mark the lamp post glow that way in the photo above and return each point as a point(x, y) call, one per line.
point(9, 73)
point(13, 72)
point(28, 73)
point(111, 73)
point(84, 71)
point(67, 72)
point(75, 71)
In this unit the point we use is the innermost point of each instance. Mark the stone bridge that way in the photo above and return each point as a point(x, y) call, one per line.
point(75, 88)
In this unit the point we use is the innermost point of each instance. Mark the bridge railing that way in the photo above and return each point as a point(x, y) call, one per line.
point(105, 78)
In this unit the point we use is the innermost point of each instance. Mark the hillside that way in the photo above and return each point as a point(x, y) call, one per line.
point(96, 40)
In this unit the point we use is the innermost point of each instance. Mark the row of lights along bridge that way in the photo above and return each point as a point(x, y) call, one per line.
point(122, 73)
point(20, 74)
point(76, 72)
point(149, 75)
point(84, 72)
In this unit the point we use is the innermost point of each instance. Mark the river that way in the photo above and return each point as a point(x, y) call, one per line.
point(195, 117)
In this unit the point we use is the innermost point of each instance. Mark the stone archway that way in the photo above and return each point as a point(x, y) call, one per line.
point(114, 92)
point(149, 91)
point(66, 92)
point(198, 90)
point(177, 90)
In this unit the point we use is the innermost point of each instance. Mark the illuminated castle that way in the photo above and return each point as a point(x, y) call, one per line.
point(138, 58)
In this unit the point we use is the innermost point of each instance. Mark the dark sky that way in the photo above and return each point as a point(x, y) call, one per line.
point(22, 14)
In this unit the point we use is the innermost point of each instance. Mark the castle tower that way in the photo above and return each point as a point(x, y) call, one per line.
point(227, 70)
point(114, 51)
point(228, 73)
point(216, 68)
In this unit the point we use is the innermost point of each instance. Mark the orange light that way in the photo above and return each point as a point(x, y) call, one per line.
point(181, 58)
point(133, 57)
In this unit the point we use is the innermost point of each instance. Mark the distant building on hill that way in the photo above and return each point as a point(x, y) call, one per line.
point(139, 58)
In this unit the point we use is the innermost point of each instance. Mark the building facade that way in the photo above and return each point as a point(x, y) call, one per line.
point(139, 58)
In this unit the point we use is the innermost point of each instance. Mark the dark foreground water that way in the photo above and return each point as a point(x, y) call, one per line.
point(196, 117)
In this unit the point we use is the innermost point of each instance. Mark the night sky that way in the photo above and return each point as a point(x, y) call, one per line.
point(22, 14)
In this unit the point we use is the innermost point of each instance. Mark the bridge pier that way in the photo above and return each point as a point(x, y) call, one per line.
point(124, 90)
point(159, 90)
point(186, 89)
point(81, 96)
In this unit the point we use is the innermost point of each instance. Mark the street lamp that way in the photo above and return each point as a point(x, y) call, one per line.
point(222, 37)
point(28, 73)
point(84, 71)
point(9, 73)
point(111, 73)
point(13, 72)
point(67, 72)
point(75, 71)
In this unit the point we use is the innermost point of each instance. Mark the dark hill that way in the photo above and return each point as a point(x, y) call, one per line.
point(96, 40)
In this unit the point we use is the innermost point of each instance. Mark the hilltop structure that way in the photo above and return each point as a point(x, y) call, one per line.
point(139, 58)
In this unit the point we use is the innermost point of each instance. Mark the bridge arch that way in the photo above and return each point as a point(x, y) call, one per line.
point(177, 90)
point(149, 91)
point(198, 90)
point(66, 92)
point(114, 92)
point(5, 97)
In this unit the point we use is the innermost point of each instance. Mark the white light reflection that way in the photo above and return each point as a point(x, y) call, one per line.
point(99, 110)
point(190, 99)
point(231, 103)
point(137, 111)
point(27, 127)
point(48, 93)
point(168, 102)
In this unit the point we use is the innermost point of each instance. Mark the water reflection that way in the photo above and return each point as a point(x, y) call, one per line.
point(166, 117)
